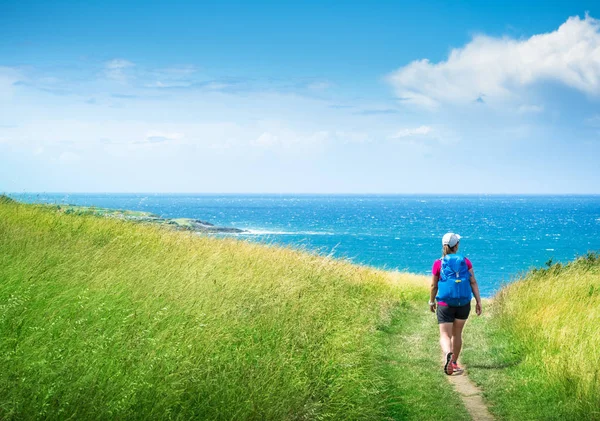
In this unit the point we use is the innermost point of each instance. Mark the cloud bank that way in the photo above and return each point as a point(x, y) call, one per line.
point(495, 70)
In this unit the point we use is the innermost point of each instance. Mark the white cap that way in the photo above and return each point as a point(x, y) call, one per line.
point(451, 239)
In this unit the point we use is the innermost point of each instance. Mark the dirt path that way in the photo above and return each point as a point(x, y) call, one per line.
point(415, 371)
point(471, 396)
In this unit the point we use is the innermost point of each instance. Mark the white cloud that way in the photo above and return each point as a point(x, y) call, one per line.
point(417, 131)
point(500, 68)
point(267, 139)
point(116, 69)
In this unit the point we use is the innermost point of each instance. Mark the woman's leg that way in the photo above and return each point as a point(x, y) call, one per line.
point(446, 337)
point(457, 329)
point(446, 344)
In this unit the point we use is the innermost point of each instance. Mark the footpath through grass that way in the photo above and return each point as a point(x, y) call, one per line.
point(108, 319)
point(413, 360)
point(536, 352)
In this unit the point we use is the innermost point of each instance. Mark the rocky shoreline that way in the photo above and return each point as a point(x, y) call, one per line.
point(183, 224)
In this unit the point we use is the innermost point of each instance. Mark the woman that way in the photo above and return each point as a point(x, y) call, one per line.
point(453, 286)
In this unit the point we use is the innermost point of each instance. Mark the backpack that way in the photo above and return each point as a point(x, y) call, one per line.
point(454, 286)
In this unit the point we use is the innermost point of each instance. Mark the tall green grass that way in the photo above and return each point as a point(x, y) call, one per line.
point(107, 319)
point(538, 355)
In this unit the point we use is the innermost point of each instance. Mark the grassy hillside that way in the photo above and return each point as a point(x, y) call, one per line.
point(106, 319)
point(538, 354)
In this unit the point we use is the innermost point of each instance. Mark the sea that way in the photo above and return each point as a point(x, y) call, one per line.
point(504, 236)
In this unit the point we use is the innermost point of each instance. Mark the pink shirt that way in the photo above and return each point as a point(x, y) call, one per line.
point(437, 267)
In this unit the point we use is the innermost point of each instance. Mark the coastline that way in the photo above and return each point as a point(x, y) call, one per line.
point(182, 224)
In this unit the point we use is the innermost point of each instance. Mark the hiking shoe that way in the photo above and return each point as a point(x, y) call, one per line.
point(456, 369)
point(448, 367)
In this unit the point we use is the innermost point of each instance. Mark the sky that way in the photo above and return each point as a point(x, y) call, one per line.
point(300, 97)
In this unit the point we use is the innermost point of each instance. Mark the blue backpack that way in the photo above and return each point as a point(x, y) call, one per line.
point(454, 287)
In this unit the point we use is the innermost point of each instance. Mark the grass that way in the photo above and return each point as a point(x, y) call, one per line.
point(102, 318)
point(536, 353)
point(414, 365)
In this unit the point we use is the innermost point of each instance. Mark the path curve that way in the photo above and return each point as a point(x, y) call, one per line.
point(472, 397)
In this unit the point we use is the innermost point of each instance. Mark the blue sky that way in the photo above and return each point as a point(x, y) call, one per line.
point(305, 97)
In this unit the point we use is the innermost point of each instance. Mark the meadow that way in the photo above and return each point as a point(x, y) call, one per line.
point(536, 353)
point(102, 318)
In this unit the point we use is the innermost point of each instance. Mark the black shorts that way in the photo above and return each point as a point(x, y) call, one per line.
point(447, 314)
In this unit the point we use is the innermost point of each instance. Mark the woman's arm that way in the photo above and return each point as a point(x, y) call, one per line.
point(475, 289)
point(434, 289)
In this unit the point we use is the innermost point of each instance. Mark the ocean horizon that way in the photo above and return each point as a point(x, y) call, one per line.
point(503, 235)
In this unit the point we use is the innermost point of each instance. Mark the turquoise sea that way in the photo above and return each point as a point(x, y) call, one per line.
point(502, 235)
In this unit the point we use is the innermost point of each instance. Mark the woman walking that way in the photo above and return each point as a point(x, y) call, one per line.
point(453, 286)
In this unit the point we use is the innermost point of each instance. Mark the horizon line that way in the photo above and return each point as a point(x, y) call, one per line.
point(300, 193)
